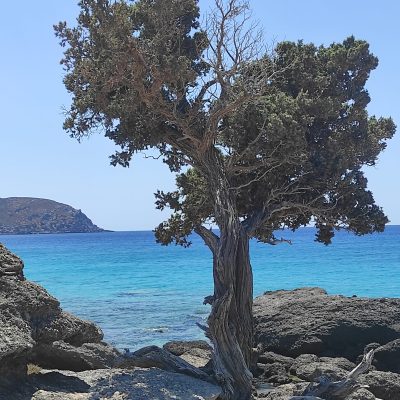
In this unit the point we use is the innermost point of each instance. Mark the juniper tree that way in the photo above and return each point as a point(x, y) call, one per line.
point(259, 140)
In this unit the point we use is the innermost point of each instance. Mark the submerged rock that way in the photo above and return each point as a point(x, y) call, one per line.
point(308, 320)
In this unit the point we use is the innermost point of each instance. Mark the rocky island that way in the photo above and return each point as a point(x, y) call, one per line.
point(302, 338)
point(26, 215)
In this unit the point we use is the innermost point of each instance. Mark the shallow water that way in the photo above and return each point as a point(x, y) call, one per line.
point(141, 293)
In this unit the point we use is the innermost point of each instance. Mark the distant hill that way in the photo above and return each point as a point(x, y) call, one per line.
point(24, 215)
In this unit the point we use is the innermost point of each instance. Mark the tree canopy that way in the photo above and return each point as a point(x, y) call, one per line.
point(291, 127)
point(295, 154)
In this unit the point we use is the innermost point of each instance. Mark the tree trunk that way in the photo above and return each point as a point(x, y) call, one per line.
point(230, 322)
point(231, 319)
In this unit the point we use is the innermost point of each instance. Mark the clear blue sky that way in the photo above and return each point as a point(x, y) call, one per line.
point(38, 159)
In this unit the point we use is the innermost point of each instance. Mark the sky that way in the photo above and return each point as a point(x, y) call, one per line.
point(39, 159)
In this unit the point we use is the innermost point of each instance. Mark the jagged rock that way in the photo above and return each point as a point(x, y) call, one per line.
point(31, 318)
point(309, 367)
point(273, 373)
point(25, 215)
point(196, 352)
point(361, 394)
point(10, 264)
point(384, 385)
point(387, 357)
point(62, 355)
point(308, 320)
point(270, 357)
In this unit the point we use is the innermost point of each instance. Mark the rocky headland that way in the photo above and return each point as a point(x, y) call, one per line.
point(304, 338)
point(26, 215)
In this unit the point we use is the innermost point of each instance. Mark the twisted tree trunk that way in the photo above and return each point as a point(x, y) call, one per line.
point(230, 322)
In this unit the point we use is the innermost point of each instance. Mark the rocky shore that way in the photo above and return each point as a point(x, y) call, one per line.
point(303, 337)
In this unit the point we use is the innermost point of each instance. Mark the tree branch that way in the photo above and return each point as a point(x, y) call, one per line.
point(209, 237)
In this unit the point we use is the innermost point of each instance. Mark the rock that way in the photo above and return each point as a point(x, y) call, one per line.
point(361, 394)
point(286, 392)
point(180, 347)
point(25, 215)
point(310, 368)
point(62, 355)
point(273, 373)
point(10, 264)
point(339, 362)
point(270, 357)
point(273, 368)
point(196, 353)
point(387, 357)
point(153, 356)
point(384, 385)
point(117, 384)
point(31, 320)
point(308, 320)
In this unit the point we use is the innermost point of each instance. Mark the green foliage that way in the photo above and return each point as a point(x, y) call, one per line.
point(290, 147)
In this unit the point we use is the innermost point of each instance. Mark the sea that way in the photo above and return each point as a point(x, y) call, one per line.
point(141, 293)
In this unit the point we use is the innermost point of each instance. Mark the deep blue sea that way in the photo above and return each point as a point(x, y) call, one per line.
point(141, 293)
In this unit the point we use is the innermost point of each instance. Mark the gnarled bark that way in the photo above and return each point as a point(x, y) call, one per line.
point(230, 321)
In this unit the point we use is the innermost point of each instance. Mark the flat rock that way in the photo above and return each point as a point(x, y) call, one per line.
point(179, 347)
point(117, 384)
point(196, 352)
point(308, 320)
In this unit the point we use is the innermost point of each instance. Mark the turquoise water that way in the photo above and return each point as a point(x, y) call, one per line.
point(141, 293)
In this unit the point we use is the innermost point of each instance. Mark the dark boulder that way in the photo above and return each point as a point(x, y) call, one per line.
point(64, 356)
point(384, 385)
point(308, 320)
point(387, 357)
